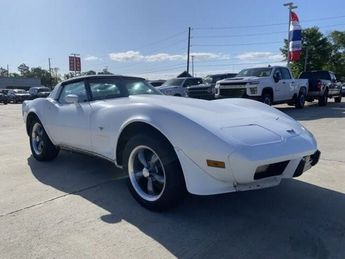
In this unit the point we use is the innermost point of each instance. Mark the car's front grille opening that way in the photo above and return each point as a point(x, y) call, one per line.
point(269, 170)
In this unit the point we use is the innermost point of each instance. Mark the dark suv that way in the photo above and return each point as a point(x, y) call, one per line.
point(206, 90)
point(322, 85)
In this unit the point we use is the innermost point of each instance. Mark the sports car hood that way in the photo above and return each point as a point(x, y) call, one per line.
point(228, 116)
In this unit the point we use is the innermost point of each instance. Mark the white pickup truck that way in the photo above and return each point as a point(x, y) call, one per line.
point(271, 85)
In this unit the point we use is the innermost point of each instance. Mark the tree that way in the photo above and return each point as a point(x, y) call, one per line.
point(90, 72)
point(23, 69)
point(319, 51)
point(3, 71)
point(337, 60)
point(105, 72)
point(69, 75)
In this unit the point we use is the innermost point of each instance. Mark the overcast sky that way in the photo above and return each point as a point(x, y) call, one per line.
point(149, 37)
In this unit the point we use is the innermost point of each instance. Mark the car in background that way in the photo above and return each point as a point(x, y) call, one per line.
point(39, 92)
point(206, 90)
point(270, 85)
point(3, 97)
point(18, 95)
point(156, 83)
point(322, 85)
point(178, 86)
point(343, 90)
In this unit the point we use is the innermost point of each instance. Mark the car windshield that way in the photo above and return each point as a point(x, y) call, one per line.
point(174, 81)
point(259, 72)
point(315, 75)
point(40, 90)
point(108, 88)
point(20, 91)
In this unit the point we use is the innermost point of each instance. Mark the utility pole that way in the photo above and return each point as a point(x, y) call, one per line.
point(290, 7)
point(306, 58)
point(188, 51)
point(192, 65)
point(8, 71)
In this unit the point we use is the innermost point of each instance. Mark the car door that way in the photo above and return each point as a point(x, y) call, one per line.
point(287, 84)
point(104, 91)
point(69, 123)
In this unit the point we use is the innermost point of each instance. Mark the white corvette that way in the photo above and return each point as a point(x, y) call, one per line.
point(169, 144)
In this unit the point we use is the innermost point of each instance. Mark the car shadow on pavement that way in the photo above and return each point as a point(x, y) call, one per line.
point(313, 112)
point(295, 219)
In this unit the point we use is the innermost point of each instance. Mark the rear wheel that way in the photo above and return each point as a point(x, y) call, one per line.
point(41, 147)
point(323, 100)
point(337, 99)
point(155, 176)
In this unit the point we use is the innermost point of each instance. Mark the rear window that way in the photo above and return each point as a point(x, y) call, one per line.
point(316, 75)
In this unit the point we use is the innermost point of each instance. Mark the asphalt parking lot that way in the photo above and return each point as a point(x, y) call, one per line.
point(79, 206)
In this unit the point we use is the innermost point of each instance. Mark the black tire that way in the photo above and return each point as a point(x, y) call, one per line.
point(173, 189)
point(323, 100)
point(337, 99)
point(48, 150)
point(267, 98)
point(300, 100)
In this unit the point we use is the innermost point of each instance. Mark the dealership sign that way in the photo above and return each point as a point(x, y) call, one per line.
point(74, 64)
point(295, 37)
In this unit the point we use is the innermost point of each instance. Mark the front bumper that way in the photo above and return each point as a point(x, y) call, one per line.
point(235, 93)
point(306, 163)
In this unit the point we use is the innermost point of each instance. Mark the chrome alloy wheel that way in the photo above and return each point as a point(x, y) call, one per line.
point(37, 138)
point(146, 173)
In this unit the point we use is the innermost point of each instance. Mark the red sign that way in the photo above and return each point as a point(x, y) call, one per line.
point(74, 63)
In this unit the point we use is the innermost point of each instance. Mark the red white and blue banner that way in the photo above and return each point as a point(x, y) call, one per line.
point(295, 44)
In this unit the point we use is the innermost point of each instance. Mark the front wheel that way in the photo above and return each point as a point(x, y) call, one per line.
point(267, 99)
point(156, 179)
point(300, 100)
point(41, 146)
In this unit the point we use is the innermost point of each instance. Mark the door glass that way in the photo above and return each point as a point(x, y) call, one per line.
point(285, 73)
point(77, 88)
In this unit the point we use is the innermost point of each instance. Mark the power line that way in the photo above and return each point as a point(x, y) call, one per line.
point(266, 25)
point(236, 44)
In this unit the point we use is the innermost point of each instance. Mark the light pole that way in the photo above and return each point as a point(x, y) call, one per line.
point(192, 65)
point(290, 7)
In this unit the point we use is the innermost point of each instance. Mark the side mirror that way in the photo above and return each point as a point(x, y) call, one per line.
point(71, 98)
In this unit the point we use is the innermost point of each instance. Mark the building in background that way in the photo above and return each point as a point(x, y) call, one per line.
point(18, 83)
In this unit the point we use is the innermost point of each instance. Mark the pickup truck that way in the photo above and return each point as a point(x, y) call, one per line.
point(178, 86)
point(270, 85)
point(322, 85)
point(206, 90)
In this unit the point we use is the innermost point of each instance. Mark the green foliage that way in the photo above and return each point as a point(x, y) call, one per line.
point(324, 52)
point(37, 72)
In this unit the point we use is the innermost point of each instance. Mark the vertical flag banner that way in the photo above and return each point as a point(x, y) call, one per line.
point(295, 44)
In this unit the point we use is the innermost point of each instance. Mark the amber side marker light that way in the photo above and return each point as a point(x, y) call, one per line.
point(213, 163)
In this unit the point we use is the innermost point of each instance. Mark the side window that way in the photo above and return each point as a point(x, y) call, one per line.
point(77, 88)
point(187, 82)
point(105, 89)
point(285, 73)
